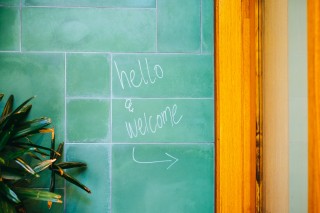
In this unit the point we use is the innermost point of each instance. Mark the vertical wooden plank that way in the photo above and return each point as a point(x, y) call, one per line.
point(314, 105)
point(235, 106)
point(259, 108)
point(275, 107)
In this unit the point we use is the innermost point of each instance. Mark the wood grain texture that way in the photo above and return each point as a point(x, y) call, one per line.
point(235, 66)
point(275, 107)
point(314, 106)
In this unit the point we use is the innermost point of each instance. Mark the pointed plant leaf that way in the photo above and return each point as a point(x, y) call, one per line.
point(35, 194)
point(43, 165)
point(25, 166)
point(22, 105)
point(8, 193)
point(11, 154)
point(21, 144)
point(6, 206)
point(24, 145)
point(10, 173)
point(72, 180)
point(9, 118)
point(2, 161)
point(1, 96)
point(4, 138)
point(59, 150)
point(8, 107)
point(69, 165)
point(53, 142)
point(31, 127)
point(52, 182)
point(21, 115)
point(33, 155)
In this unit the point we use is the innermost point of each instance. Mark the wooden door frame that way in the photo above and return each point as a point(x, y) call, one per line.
point(238, 95)
point(313, 105)
point(237, 65)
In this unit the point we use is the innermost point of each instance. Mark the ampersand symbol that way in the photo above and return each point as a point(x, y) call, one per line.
point(128, 105)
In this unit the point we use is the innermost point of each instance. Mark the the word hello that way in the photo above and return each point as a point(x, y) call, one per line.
point(137, 78)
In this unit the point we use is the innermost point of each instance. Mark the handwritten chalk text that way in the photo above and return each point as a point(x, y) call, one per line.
point(136, 79)
point(152, 123)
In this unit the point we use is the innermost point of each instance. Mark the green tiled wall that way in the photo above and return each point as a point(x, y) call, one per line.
point(10, 28)
point(88, 120)
point(179, 29)
point(88, 29)
point(88, 75)
point(129, 87)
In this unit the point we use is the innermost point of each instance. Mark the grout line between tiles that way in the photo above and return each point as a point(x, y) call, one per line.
point(90, 7)
point(145, 143)
point(65, 122)
point(201, 28)
point(20, 42)
point(114, 53)
point(134, 98)
point(111, 138)
point(10, 51)
point(157, 26)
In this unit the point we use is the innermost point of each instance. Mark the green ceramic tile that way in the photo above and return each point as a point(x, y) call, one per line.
point(88, 29)
point(88, 75)
point(88, 121)
point(179, 25)
point(33, 206)
point(26, 75)
point(162, 120)
point(207, 26)
point(10, 28)
point(162, 75)
point(96, 3)
point(148, 178)
point(9, 2)
point(95, 176)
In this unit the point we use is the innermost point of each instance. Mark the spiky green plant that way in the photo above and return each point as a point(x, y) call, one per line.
point(16, 146)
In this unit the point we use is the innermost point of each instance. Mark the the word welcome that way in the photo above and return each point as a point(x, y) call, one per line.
point(152, 123)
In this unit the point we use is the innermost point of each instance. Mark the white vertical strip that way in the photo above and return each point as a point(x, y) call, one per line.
point(111, 139)
point(275, 107)
point(201, 27)
point(20, 10)
point(298, 106)
point(65, 124)
point(156, 25)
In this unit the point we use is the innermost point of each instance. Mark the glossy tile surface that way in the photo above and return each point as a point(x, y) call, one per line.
point(207, 26)
point(88, 121)
point(33, 206)
point(88, 29)
point(88, 75)
point(10, 28)
point(179, 26)
point(96, 177)
point(162, 178)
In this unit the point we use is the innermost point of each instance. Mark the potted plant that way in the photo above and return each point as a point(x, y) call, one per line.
point(16, 147)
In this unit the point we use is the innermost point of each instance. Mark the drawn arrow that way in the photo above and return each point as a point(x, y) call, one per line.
point(173, 160)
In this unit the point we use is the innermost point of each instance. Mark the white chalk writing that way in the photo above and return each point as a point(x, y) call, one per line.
point(152, 123)
point(135, 79)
